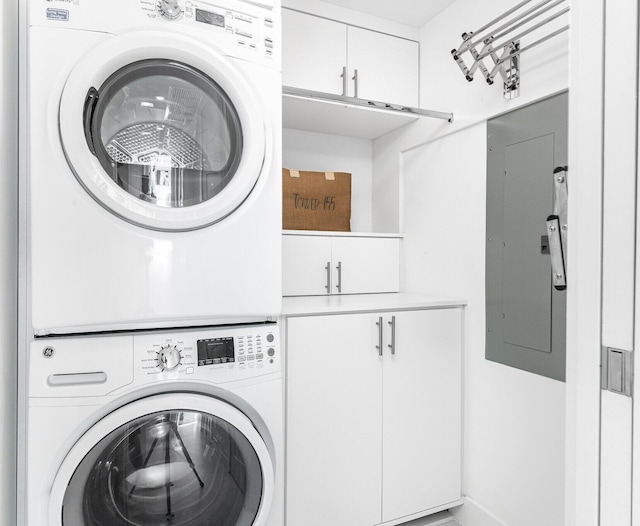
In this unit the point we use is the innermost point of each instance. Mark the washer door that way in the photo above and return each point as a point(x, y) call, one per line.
point(172, 459)
point(162, 131)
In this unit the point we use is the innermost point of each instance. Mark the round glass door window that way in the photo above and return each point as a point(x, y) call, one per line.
point(173, 468)
point(164, 132)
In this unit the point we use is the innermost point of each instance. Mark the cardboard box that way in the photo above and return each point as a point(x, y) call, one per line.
point(316, 200)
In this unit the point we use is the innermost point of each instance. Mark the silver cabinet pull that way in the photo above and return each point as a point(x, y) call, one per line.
point(344, 81)
point(328, 285)
point(392, 345)
point(355, 83)
point(339, 269)
point(379, 346)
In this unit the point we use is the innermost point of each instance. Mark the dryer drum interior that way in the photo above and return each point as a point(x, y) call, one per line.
point(165, 132)
point(176, 467)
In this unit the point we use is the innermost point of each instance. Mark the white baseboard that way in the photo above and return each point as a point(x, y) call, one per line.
point(473, 514)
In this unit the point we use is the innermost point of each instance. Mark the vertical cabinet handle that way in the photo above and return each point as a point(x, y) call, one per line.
point(355, 83)
point(344, 81)
point(328, 285)
point(379, 346)
point(392, 345)
point(339, 269)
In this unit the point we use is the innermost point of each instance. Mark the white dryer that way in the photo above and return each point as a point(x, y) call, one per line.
point(153, 428)
point(151, 174)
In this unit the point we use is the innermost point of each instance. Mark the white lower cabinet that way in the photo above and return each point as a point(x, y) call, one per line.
point(373, 438)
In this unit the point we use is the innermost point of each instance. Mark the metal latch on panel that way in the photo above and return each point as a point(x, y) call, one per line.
point(617, 371)
point(557, 229)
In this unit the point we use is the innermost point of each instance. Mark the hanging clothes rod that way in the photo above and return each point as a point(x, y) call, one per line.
point(500, 41)
point(363, 103)
point(518, 51)
point(512, 24)
point(525, 33)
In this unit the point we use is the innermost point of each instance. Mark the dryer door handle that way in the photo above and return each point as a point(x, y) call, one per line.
point(90, 104)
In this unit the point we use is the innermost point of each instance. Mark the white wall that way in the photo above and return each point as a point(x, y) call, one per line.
point(8, 265)
point(514, 421)
point(319, 152)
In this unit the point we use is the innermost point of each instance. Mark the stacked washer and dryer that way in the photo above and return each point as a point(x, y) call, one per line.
point(150, 362)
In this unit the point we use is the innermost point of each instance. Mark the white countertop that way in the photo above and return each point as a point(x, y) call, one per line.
point(346, 303)
point(333, 233)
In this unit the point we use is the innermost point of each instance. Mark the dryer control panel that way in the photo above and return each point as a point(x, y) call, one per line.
point(252, 28)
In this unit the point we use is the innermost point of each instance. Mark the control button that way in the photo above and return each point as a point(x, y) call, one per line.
point(259, 356)
point(252, 364)
point(271, 351)
point(242, 359)
point(243, 366)
point(268, 22)
point(259, 362)
point(251, 357)
point(168, 358)
point(240, 351)
point(270, 337)
point(189, 370)
point(268, 43)
point(169, 9)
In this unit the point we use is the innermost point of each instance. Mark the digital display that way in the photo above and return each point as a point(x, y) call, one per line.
point(215, 351)
point(213, 19)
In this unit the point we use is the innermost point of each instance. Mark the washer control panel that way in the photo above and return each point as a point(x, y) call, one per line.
point(232, 351)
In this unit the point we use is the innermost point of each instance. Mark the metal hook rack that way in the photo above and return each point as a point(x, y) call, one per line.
point(499, 43)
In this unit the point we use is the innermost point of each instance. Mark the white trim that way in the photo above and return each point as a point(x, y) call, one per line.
point(473, 514)
point(584, 294)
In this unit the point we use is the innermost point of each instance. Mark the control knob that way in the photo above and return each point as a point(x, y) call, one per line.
point(169, 9)
point(169, 358)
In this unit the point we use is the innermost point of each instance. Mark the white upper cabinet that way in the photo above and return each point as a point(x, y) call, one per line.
point(315, 265)
point(332, 57)
point(385, 67)
point(314, 52)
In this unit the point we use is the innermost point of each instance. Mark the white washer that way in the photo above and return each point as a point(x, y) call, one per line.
point(152, 173)
point(153, 428)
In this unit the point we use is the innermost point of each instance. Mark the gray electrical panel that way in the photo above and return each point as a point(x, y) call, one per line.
point(525, 312)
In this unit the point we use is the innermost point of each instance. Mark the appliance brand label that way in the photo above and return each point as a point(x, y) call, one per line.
point(57, 14)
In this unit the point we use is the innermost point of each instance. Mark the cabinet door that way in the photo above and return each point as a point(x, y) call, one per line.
point(363, 265)
point(334, 425)
point(304, 262)
point(314, 51)
point(422, 412)
point(387, 67)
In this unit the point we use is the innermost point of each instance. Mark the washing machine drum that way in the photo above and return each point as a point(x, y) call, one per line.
point(179, 467)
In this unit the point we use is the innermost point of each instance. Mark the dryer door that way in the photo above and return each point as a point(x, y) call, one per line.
point(168, 459)
point(162, 130)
